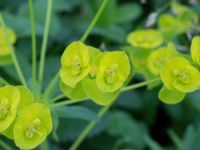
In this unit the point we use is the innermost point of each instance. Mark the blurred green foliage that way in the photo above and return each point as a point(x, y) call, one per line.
point(138, 120)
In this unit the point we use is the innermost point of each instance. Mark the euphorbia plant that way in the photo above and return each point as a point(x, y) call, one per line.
point(89, 73)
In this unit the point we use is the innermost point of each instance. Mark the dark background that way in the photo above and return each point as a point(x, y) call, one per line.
point(138, 120)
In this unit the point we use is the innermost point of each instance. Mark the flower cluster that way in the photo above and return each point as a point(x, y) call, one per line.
point(5, 49)
point(22, 119)
point(87, 72)
point(180, 20)
point(177, 71)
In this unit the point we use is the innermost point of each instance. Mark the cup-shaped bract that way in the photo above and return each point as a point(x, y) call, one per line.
point(77, 92)
point(26, 98)
point(9, 101)
point(178, 74)
point(195, 49)
point(170, 96)
point(32, 126)
point(159, 57)
point(96, 94)
point(114, 69)
point(10, 34)
point(75, 64)
point(147, 38)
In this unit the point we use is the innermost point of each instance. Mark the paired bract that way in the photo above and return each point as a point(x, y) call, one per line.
point(146, 38)
point(98, 76)
point(26, 122)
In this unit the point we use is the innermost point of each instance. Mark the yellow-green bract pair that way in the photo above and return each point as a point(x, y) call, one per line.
point(182, 20)
point(86, 72)
point(6, 35)
point(179, 76)
point(26, 122)
point(145, 38)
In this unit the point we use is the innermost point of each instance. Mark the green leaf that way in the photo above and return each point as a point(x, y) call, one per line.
point(127, 12)
point(188, 138)
point(176, 140)
point(130, 100)
point(76, 112)
point(153, 145)
point(170, 96)
point(122, 125)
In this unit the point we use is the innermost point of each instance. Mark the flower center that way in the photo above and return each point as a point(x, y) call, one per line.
point(4, 108)
point(31, 129)
point(76, 65)
point(182, 75)
point(160, 62)
point(110, 73)
point(93, 72)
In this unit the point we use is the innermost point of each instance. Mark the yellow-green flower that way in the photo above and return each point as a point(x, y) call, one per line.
point(75, 64)
point(26, 99)
point(195, 49)
point(114, 69)
point(147, 38)
point(77, 92)
point(9, 101)
point(159, 57)
point(10, 34)
point(96, 94)
point(178, 74)
point(32, 126)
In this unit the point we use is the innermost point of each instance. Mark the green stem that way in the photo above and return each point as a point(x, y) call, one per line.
point(57, 98)
point(5, 146)
point(2, 80)
point(44, 42)
point(89, 127)
point(90, 27)
point(101, 113)
point(33, 37)
point(134, 86)
point(14, 58)
point(127, 88)
point(94, 21)
point(68, 102)
point(51, 86)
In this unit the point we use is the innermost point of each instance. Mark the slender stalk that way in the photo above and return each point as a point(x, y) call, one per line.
point(127, 88)
point(101, 113)
point(4, 145)
point(2, 80)
point(57, 98)
point(33, 38)
point(14, 58)
point(89, 127)
point(94, 21)
point(51, 86)
point(134, 86)
point(68, 102)
point(44, 42)
point(87, 32)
